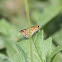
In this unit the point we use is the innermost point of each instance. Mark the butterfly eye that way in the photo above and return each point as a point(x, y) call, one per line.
point(38, 25)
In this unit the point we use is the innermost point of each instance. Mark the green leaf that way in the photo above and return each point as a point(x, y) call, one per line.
point(3, 58)
point(58, 57)
point(40, 48)
point(2, 45)
point(13, 52)
point(11, 48)
point(7, 31)
point(43, 47)
point(57, 37)
point(52, 55)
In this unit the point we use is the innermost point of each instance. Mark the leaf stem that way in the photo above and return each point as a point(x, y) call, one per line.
point(29, 25)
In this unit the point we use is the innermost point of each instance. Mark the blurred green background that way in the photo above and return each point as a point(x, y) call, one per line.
point(46, 13)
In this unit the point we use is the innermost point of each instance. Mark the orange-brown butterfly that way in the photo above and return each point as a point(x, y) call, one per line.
point(33, 29)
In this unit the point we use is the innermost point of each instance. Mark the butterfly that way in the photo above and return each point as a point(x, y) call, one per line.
point(33, 29)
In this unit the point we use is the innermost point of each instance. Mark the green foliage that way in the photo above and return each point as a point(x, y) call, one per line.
point(58, 37)
point(3, 58)
point(52, 55)
point(42, 49)
point(22, 49)
point(45, 14)
point(7, 31)
point(48, 12)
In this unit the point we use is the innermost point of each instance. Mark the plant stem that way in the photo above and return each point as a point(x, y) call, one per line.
point(29, 25)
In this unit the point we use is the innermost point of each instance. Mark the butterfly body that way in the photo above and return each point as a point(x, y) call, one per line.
point(33, 29)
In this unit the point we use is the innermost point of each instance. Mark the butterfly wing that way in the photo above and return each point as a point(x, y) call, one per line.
point(33, 29)
point(24, 32)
